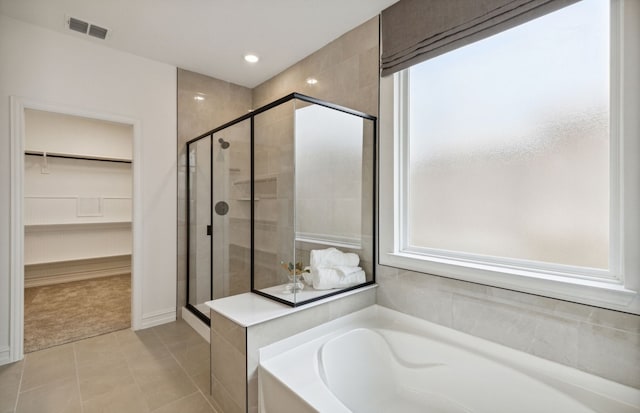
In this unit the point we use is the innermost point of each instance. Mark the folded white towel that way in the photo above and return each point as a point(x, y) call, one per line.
point(329, 278)
point(344, 271)
point(332, 257)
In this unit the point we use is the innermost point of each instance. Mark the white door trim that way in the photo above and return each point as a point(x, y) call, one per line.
point(16, 257)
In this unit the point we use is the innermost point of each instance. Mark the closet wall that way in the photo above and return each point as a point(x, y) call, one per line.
point(77, 211)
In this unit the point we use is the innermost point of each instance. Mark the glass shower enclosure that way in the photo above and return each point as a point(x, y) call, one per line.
point(281, 202)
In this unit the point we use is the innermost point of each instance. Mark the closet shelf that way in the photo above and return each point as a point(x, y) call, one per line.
point(88, 224)
point(77, 156)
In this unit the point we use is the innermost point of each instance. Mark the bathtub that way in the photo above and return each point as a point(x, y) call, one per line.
point(379, 360)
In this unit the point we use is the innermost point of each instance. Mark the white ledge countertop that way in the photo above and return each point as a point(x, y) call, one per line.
point(249, 309)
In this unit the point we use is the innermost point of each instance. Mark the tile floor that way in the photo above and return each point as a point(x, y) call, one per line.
point(164, 369)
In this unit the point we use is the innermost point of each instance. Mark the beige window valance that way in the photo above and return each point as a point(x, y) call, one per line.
point(416, 30)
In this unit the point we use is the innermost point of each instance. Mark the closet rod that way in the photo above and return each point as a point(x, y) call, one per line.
point(69, 156)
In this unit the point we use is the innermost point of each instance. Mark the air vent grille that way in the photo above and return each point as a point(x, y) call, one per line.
point(86, 27)
point(97, 31)
point(78, 25)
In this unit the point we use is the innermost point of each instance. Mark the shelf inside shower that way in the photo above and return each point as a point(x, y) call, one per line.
point(259, 178)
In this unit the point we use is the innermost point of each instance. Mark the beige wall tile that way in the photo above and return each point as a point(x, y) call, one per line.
point(610, 353)
point(233, 333)
point(228, 369)
point(345, 69)
point(599, 341)
point(224, 399)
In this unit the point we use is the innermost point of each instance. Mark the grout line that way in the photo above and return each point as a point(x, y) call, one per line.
point(75, 362)
point(189, 375)
point(173, 401)
point(24, 363)
point(135, 380)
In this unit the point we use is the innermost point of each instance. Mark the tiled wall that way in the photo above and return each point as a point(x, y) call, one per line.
point(222, 102)
point(346, 70)
point(347, 73)
point(599, 341)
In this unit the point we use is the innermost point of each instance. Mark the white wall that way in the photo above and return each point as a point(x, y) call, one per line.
point(61, 133)
point(57, 69)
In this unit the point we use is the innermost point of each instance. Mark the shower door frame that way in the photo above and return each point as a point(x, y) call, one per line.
point(194, 310)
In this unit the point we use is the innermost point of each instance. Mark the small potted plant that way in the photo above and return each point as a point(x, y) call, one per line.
point(295, 271)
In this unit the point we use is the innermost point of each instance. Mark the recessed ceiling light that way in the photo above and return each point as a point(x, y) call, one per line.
point(197, 97)
point(251, 58)
point(312, 81)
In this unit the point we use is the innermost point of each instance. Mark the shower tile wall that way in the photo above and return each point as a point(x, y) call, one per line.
point(346, 71)
point(222, 102)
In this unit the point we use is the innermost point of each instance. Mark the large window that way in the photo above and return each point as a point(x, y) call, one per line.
point(508, 160)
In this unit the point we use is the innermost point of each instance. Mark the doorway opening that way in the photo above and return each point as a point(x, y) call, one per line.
point(75, 198)
point(77, 228)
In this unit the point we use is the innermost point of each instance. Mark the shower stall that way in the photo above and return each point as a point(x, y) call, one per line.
point(268, 189)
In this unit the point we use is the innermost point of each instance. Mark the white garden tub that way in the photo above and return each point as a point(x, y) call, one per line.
point(379, 360)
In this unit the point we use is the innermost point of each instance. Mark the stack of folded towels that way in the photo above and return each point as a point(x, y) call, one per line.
point(332, 268)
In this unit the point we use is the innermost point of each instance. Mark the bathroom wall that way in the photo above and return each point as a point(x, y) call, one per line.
point(599, 341)
point(63, 70)
point(346, 71)
point(218, 102)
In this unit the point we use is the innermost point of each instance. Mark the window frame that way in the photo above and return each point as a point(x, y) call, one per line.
point(615, 288)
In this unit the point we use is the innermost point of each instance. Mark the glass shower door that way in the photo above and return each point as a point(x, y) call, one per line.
point(219, 216)
point(199, 266)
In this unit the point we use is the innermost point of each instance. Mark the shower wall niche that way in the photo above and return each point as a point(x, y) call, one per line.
point(281, 202)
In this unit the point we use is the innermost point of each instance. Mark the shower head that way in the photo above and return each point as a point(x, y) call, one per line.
point(224, 144)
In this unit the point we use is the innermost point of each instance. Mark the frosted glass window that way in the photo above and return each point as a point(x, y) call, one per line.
point(508, 143)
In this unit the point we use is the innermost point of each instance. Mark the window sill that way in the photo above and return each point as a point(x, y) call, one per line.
point(606, 293)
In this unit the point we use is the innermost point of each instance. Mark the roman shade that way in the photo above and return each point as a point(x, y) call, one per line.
point(413, 31)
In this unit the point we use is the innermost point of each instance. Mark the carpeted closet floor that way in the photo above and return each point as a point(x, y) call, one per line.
point(61, 313)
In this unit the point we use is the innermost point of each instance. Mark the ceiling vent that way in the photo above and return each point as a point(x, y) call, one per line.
point(97, 31)
point(88, 28)
point(78, 25)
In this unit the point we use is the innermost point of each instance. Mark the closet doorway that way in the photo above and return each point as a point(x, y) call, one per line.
point(77, 199)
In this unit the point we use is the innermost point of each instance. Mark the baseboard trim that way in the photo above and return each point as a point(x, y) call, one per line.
point(5, 355)
point(157, 318)
point(37, 275)
point(197, 324)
